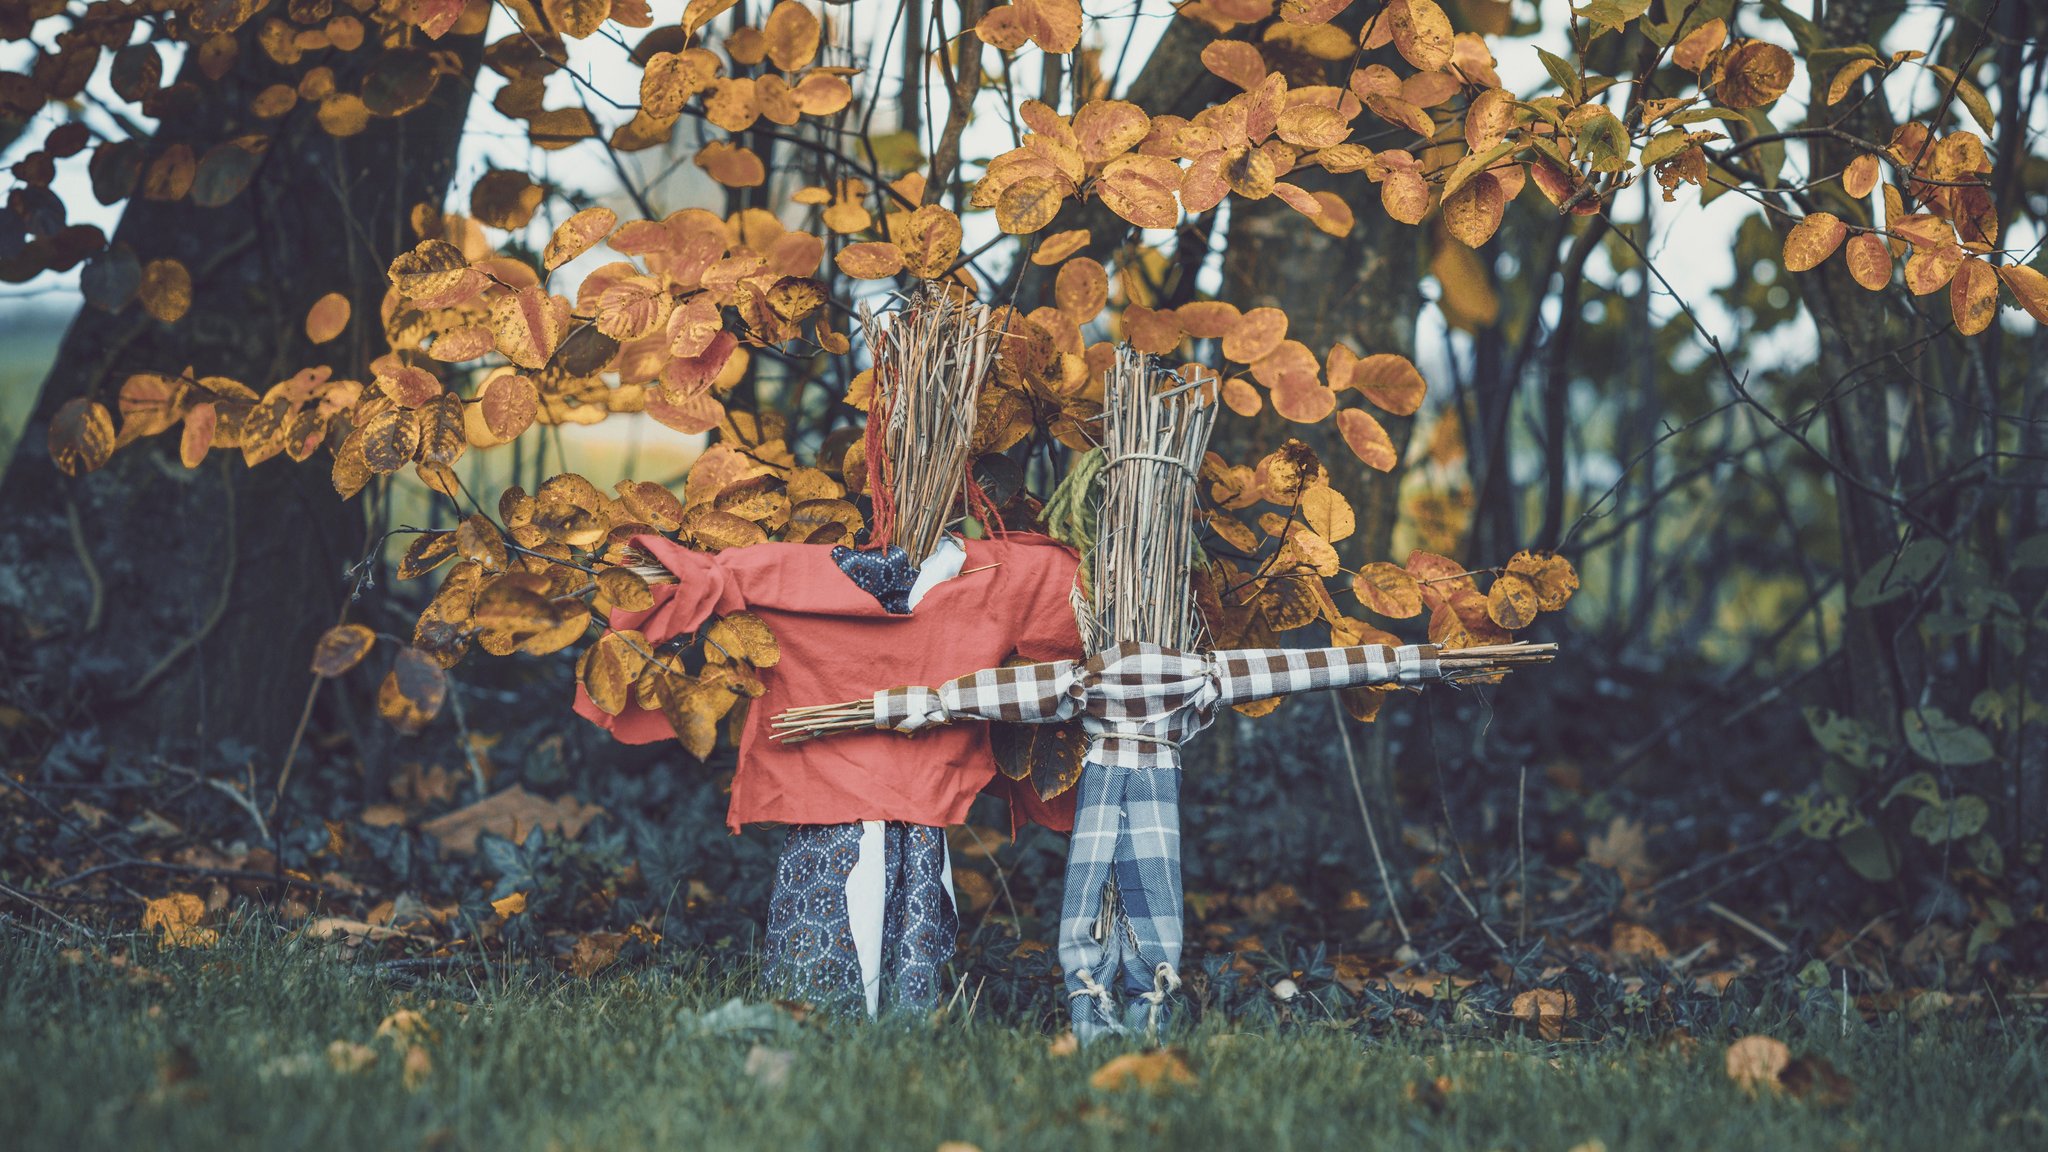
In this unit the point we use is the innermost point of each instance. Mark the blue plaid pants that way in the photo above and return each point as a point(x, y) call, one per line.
point(1120, 920)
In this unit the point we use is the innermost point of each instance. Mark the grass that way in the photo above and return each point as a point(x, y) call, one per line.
point(228, 1048)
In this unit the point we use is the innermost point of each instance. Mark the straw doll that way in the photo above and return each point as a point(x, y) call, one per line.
point(863, 909)
point(1145, 688)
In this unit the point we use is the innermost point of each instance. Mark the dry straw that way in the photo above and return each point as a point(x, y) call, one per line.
point(1155, 429)
point(931, 357)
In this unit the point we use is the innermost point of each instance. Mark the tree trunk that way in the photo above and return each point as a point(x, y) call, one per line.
point(177, 609)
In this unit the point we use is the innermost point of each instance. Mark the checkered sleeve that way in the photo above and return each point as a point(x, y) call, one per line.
point(1257, 673)
point(1026, 693)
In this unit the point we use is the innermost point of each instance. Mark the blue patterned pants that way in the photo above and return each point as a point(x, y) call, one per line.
point(1120, 920)
point(862, 916)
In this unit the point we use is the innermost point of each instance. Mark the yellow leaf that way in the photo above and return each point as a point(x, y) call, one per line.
point(1029, 204)
point(1813, 240)
point(1973, 296)
point(871, 260)
point(1756, 1062)
point(510, 906)
point(1157, 1069)
point(177, 916)
point(2028, 287)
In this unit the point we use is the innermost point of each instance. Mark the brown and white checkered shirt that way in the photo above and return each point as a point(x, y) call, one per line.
point(1138, 702)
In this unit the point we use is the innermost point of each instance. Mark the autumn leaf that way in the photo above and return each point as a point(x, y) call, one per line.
point(413, 691)
point(177, 917)
point(1367, 439)
point(1388, 589)
point(341, 648)
point(577, 235)
point(870, 260)
point(81, 436)
point(1754, 73)
point(1156, 1070)
point(1813, 240)
point(1029, 205)
point(1754, 1063)
point(1545, 1008)
point(327, 318)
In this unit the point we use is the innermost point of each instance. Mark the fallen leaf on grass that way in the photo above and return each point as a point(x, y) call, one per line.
point(178, 916)
point(1756, 1062)
point(595, 952)
point(406, 1026)
point(511, 814)
point(958, 1146)
point(1151, 1070)
point(1814, 1080)
point(510, 906)
point(1547, 1008)
point(347, 1056)
point(418, 1066)
point(355, 932)
point(1065, 1044)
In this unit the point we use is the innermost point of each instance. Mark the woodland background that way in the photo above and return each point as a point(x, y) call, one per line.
point(1795, 739)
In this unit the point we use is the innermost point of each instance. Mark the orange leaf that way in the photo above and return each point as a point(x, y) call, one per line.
point(1753, 74)
point(1973, 296)
point(1859, 179)
point(871, 260)
point(326, 319)
point(1367, 439)
point(791, 31)
point(1140, 189)
point(577, 235)
point(1157, 1069)
point(529, 325)
point(1869, 260)
point(1254, 334)
point(1236, 61)
point(2028, 287)
point(81, 437)
point(1422, 33)
point(342, 648)
point(1391, 382)
point(1030, 204)
point(1813, 240)
point(1930, 267)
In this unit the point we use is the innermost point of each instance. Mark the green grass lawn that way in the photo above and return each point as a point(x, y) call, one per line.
point(250, 1045)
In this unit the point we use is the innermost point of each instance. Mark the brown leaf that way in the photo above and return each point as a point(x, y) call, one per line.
point(1547, 1009)
point(1388, 589)
point(1552, 575)
point(81, 437)
point(341, 648)
point(1754, 73)
point(1391, 381)
point(1511, 602)
point(1029, 204)
point(413, 691)
point(166, 290)
point(511, 814)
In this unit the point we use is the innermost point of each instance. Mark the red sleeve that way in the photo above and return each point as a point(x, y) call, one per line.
point(1045, 627)
point(703, 586)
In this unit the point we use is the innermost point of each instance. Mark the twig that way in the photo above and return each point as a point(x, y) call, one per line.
point(1522, 858)
point(92, 570)
point(1372, 837)
point(1747, 925)
point(47, 910)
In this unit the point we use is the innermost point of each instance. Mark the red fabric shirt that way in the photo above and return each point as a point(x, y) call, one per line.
point(839, 643)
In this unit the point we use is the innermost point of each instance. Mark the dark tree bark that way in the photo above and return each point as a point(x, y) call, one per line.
point(207, 588)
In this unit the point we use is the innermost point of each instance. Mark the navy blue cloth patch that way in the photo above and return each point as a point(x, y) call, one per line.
point(887, 575)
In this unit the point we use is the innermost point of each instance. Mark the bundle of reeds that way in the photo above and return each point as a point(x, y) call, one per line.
point(930, 359)
point(1155, 429)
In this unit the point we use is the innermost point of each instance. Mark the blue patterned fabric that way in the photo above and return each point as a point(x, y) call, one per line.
point(811, 952)
point(887, 574)
point(1120, 920)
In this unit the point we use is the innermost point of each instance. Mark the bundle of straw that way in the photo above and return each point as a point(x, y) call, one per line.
point(1155, 429)
point(930, 358)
